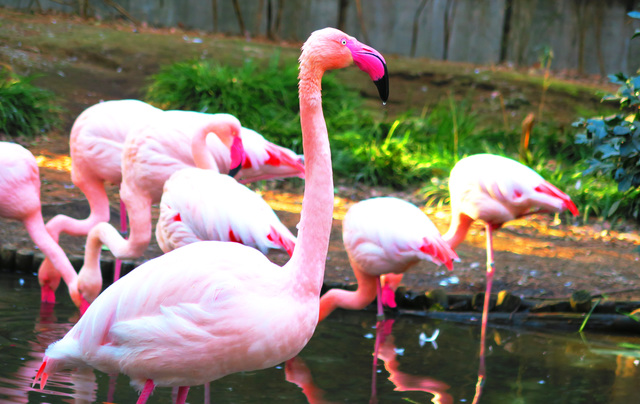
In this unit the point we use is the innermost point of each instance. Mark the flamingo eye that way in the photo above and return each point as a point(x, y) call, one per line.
point(343, 41)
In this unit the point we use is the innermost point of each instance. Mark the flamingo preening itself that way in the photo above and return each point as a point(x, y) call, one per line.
point(20, 200)
point(212, 308)
point(384, 237)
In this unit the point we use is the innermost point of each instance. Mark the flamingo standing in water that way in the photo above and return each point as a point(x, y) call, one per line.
point(384, 237)
point(496, 189)
point(211, 308)
point(20, 200)
point(96, 143)
point(200, 204)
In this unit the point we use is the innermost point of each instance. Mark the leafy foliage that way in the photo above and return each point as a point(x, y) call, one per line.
point(25, 110)
point(615, 140)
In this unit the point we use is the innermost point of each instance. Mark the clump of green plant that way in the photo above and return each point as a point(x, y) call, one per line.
point(407, 151)
point(264, 98)
point(615, 140)
point(383, 155)
point(25, 110)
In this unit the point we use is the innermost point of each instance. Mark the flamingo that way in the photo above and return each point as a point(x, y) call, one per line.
point(496, 189)
point(212, 308)
point(151, 154)
point(200, 204)
point(96, 143)
point(20, 200)
point(384, 237)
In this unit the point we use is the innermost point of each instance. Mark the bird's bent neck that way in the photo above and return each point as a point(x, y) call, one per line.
point(201, 155)
point(458, 229)
point(314, 229)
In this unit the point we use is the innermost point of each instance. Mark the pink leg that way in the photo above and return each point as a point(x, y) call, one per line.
point(207, 393)
point(146, 392)
point(113, 379)
point(374, 372)
point(182, 394)
point(123, 230)
point(487, 293)
point(485, 314)
point(480, 383)
point(379, 299)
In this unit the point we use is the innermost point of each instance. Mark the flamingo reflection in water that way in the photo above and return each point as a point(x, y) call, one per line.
point(297, 372)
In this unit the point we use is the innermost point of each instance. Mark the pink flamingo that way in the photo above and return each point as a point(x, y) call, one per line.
point(20, 200)
point(150, 155)
point(384, 237)
point(496, 189)
point(215, 308)
point(96, 143)
point(200, 204)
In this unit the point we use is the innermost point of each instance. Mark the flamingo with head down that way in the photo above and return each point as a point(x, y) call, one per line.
point(20, 200)
point(384, 237)
point(212, 308)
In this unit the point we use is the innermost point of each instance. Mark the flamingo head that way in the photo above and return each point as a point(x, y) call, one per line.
point(330, 48)
point(227, 128)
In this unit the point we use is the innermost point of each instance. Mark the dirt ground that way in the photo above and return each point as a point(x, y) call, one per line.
point(536, 257)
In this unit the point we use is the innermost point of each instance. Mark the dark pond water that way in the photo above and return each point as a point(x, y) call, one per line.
point(337, 365)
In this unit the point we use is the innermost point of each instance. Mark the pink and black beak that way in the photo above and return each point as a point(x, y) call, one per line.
point(371, 61)
point(237, 156)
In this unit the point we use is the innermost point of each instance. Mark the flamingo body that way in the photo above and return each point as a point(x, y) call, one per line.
point(216, 308)
point(495, 190)
point(192, 324)
point(200, 204)
point(383, 237)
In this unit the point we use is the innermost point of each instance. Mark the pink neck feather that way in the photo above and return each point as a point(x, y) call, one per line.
point(314, 229)
point(201, 154)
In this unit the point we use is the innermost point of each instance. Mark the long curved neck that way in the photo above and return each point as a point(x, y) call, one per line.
point(458, 229)
point(314, 229)
point(51, 249)
point(201, 154)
